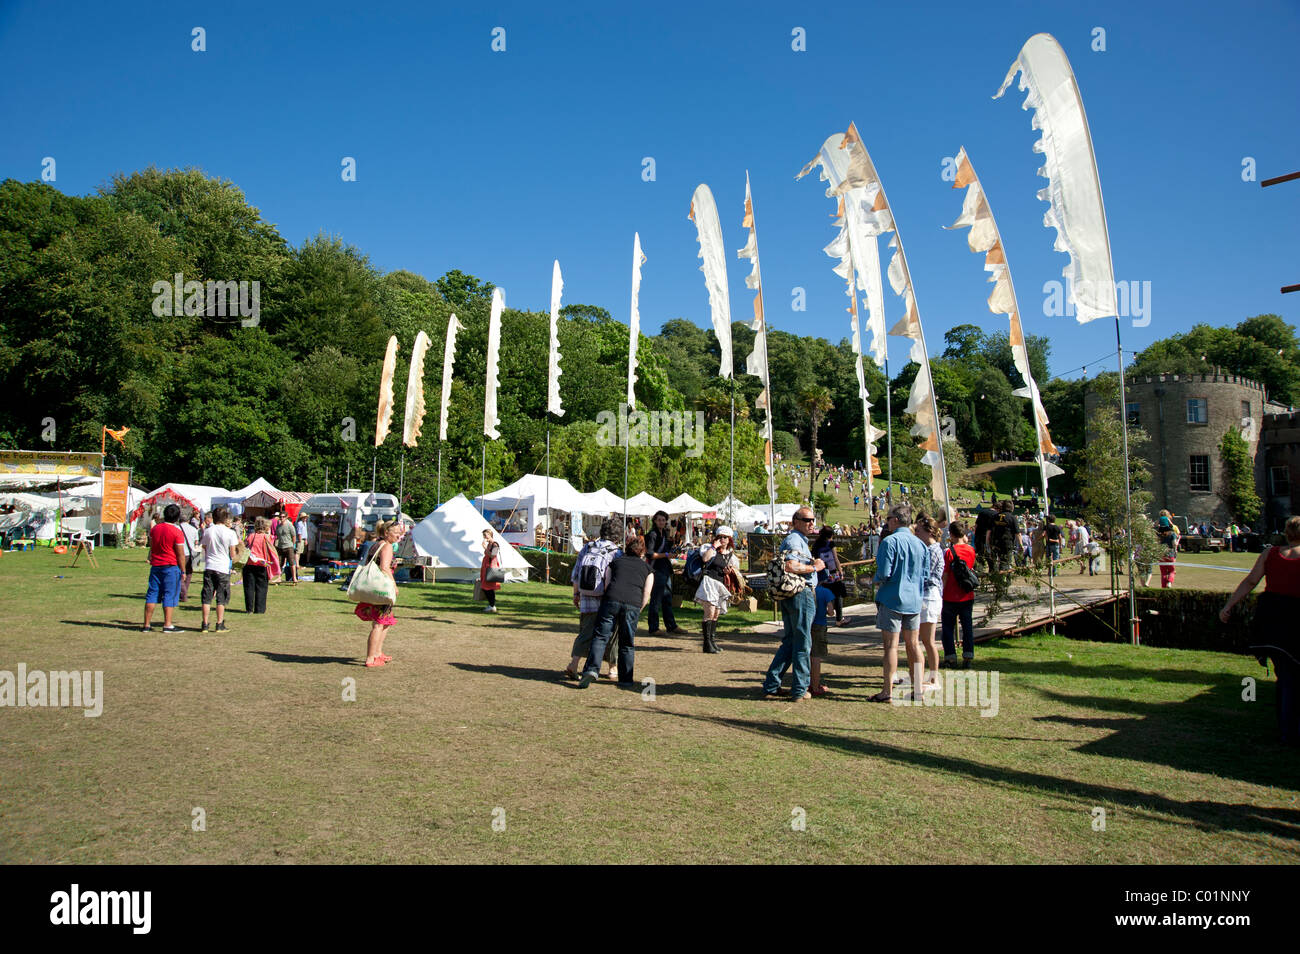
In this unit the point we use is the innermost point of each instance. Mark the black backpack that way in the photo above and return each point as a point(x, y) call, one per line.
point(966, 577)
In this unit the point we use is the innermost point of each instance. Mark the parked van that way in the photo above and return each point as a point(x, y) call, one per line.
point(336, 517)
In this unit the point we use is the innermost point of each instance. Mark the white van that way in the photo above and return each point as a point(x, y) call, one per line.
point(335, 517)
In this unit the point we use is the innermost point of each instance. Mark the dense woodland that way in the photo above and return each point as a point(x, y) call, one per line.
point(213, 402)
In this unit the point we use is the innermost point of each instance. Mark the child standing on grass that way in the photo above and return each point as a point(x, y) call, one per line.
point(380, 617)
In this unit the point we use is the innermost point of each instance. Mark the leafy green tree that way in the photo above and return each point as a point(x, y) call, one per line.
point(814, 401)
point(1238, 483)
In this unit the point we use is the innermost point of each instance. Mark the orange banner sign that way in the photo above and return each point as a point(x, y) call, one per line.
point(113, 506)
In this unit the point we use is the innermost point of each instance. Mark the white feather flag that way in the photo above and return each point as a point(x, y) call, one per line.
point(448, 359)
point(553, 371)
point(415, 391)
point(1073, 187)
point(385, 415)
point(756, 362)
point(634, 319)
point(977, 215)
point(875, 217)
point(708, 229)
point(490, 420)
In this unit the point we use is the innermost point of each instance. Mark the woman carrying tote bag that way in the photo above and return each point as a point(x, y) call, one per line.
point(490, 574)
point(375, 591)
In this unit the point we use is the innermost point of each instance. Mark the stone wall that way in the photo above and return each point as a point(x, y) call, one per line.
point(1162, 411)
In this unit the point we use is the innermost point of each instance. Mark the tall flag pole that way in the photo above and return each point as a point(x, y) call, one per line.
point(553, 405)
point(490, 420)
point(448, 360)
point(877, 218)
point(756, 362)
point(634, 337)
point(385, 416)
point(977, 215)
point(1076, 211)
point(708, 229)
point(414, 414)
point(856, 248)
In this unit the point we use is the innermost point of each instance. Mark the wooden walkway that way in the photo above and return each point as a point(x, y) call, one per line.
point(1026, 610)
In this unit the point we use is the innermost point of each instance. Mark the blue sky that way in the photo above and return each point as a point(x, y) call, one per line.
point(496, 163)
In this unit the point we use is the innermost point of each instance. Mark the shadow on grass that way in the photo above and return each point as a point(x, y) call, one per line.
point(1209, 815)
point(1066, 667)
point(1213, 733)
point(308, 660)
point(516, 672)
point(112, 624)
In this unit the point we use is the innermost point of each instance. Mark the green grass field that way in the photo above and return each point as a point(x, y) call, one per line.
point(469, 723)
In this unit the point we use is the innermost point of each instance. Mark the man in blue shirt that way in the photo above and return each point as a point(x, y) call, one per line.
point(901, 563)
point(797, 613)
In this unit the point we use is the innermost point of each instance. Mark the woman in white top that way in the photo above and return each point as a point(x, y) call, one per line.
point(713, 595)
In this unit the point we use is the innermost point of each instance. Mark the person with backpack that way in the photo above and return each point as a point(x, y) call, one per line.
point(795, 561)
point(659, 551)
point(720, 566)
point(1003, 536)
point(959, 582)
point(590, 577)
point(626, 593)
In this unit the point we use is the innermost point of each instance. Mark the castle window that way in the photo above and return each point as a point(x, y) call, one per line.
point(1245, 411)
point(1198, 411)
point(1279, 479)
point(1134, 409)
point(1198, 474)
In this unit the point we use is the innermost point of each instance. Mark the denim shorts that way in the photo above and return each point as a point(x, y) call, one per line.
point(892, 621)
point(164, 585)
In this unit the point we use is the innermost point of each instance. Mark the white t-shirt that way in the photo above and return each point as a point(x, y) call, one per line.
point(191, 537)
point(218, 541)
point(1082, 544)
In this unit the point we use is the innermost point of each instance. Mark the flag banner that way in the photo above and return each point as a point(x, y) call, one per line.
point(553, 371)
point(385, 416)
point(634, 319)
point(845, 158)
point(115, 499)
point(490, 420)
point(448, 359)
point(415, 391)
point(984, 236)
point(1073, 188)
point(708, 232)
point(118, 435)
point(756, 362)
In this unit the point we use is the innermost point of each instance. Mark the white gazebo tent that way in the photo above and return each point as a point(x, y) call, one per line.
point(741, 516)
point(644, 504)
point(450, 541)
point(516, 510)
point(194, 496)
point(686, 504)
point(234, 499)
point(602, 502)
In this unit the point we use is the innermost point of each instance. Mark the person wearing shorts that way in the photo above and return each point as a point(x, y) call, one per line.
point(166, 557)
point(901, 564)
point(218, 542)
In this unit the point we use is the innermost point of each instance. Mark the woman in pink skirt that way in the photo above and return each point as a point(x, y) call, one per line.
point(491, 561)
point(380, 618)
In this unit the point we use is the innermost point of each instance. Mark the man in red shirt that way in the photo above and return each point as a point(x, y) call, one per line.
point(166, 558)
point(957, 602)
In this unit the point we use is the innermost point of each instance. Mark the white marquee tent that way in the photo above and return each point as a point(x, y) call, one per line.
point(644, 504)
point(602, 502)
point(192, 495)
point(517, 508)
point(685, 503)
point(452, 538)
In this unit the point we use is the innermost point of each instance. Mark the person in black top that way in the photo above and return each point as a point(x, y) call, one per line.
point(1003, 535)
point(659, 548)
point(1052, 537)
point(626, 594)
point(983, 523)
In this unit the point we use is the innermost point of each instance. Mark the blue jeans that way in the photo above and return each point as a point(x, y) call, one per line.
point(952, 612)
point(662, 592)
point(796, 645)
point(624, 616)
point(1053, 554)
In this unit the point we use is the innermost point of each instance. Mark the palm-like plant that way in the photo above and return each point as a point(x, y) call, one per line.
point(814, 401)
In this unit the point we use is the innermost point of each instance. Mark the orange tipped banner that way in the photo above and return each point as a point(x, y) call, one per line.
point(112, 508)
